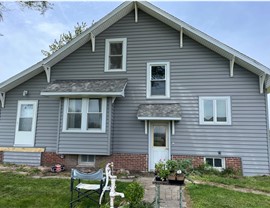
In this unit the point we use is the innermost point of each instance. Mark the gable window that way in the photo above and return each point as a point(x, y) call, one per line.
point(115, 54)
point(84, 115)
point(215, 110)
point(158, 80)
point(217, 163)
point(86, 160)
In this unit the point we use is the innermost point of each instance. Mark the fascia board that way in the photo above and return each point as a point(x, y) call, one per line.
point(159, 118)
point(60, 94)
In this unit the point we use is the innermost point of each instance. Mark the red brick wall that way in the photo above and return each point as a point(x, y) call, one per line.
point(51, 158)
point(234, 163)
point(1, 156)
point(135, 162)
point(196, 160)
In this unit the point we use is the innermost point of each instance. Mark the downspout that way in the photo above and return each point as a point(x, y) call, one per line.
point(59, 126)
point(267, 127)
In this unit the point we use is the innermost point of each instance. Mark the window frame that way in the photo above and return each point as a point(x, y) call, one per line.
point(223, 165)
point(107, 54)
point(84, 117)
point(149, 80)
point(92, 164)
point(214, 99)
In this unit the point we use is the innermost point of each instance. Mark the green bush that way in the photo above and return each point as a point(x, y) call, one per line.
point(134, 194)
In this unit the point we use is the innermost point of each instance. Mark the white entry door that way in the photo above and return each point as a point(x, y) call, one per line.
point(26, 123)
point(159, 143)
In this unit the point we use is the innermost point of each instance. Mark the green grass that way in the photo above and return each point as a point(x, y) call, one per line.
point(204, 196)
point(261, 183)
point(19, 191)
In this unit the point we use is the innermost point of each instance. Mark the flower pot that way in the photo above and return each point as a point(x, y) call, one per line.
point(172, 177)
point(180, 177)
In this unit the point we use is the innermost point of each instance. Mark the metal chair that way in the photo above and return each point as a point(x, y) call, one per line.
point(86, 190)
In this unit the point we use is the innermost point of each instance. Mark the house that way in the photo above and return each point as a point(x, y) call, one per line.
point(138, 86)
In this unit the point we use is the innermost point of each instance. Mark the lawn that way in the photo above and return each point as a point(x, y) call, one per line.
point(261, 183)
point(19, 191)
point(204, 196)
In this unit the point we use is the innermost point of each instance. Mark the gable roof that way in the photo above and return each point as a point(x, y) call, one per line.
point(118, 13)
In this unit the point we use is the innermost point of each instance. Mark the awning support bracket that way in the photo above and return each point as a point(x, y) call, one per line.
point(93, 41)
point(232, 66)
point(181, 37)
point(136, 12)
point(113, 99)
point(261, 81)
point(173, 128)
point(2, 99)
point(145, 127)
point(47, 70)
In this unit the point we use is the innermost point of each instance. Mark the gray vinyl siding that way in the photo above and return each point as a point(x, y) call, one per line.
point(25, 158)
point(46, 128)
point(195, 71)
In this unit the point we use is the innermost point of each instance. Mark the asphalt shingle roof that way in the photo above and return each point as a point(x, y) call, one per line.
point(94, 85)
point(165, 111)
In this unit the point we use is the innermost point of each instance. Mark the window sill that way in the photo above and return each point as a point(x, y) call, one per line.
point(215, 124)
point(115, 70)
point(156, 98)
point(83, 132)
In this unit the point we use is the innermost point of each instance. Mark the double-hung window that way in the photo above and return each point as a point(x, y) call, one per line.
point(158, 80)
point(115, 54)
point(84, 115)
point(215, 110)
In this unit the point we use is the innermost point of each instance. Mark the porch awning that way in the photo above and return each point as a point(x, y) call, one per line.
point(164, 112)
point(93, 87)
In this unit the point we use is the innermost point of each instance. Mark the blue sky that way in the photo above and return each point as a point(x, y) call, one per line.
point(244, 26)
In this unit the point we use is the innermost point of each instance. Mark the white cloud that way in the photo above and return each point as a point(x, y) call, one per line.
point(51, 29)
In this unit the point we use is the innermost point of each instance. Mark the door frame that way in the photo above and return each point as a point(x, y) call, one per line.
point(150, 123)
point(34, 124)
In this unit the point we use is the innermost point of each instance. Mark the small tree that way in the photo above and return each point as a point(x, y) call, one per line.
point(64, 39)
point(40, 6)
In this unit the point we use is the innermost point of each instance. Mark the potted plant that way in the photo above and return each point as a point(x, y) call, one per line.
point(161, 171)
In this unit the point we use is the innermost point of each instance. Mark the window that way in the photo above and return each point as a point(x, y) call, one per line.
point(215, 110)
point(217, 163)
point(86, 160)
point(115, 54)
point(84, 115)
point(74, 114)
point(158, 80)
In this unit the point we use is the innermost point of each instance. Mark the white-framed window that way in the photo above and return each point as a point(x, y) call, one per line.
point(84, 115)
point(158, 80)
point(115, 54)
point(88, 160)
point(215, 162)
point(215, 110)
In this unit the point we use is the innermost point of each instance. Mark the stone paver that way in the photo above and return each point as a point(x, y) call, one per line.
point(169, 195)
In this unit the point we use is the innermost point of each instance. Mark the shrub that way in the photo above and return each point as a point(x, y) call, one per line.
point(134, 194)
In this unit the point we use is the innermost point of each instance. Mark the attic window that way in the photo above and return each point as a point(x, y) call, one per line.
point(115, 54)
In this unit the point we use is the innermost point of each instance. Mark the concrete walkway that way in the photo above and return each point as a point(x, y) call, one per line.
point(169, 195)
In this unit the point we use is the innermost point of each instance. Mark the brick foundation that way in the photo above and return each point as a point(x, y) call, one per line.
point(230, 162)
point(51, 158)
point(234, 163)
point(196, 160)
point(133, 162)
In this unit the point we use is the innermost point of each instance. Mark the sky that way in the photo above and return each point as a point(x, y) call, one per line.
point(244, 26)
